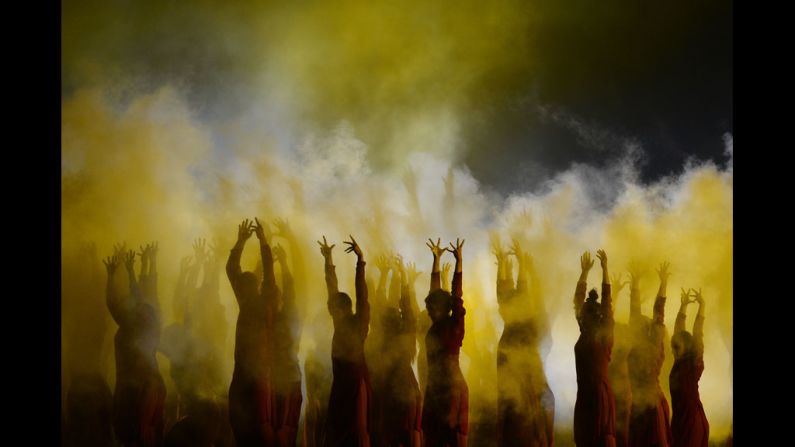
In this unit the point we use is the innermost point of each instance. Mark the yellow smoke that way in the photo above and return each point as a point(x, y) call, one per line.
point(342, 102)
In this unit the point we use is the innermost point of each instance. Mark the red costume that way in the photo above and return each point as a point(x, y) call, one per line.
point(595, 409)
point(445, 413)
point(251, 407)
point(348, 413)
point(689, 426)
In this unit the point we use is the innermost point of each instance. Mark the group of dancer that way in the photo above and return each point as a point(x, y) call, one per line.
point(375, 398)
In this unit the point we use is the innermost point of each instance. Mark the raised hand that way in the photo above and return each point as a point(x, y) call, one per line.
point(436, 248)
point(602, 258)
point(263, 232)
point(516, 249)
point(325, 249)
point(244, 230)
point(279, 253)
point(353, 247)
point(111, 262)
point(684, 297)
point(282, 227)
point(397, 263)
point(664, 271)
point(618, 285)
point(697, 296)
point(382, 263)
point(129, 259)
point(586, 262)
point(456, 249)
point(200, 250)
point(153, 249)
point(144, 253)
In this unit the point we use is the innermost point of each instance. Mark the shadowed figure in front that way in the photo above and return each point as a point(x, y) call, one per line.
point(139, 396)
point(594, 410)
point(525, 403)
point(251, 401)
point(689, 425)
point(348, 414)
point(445, 412)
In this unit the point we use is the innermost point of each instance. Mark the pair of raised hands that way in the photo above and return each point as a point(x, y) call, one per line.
point(586, 262)
point(437, 250)
point(353, 247)
point(691, 296)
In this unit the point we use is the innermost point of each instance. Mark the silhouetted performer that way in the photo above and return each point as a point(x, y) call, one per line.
point(594, 411)
point(251, 409)
point(618, 372)
point(423, 324)
point(139, 396)
point(348, 415)
point(377, 364)
point(286, 374)
point(525, 403)
point(399, 399)
point(689, 426)
point(445, 412)
point(648, 421)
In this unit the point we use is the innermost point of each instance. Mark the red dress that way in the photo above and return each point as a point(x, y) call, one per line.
point(595, 409)
point(689, 425)
point(251, 411)
point(445, 412)
point(348, 413)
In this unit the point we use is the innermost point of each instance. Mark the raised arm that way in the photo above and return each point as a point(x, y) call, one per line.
point(150, 291)
point(144, 255)
point(607, 296)
point(436, 250)
point(635, 272)
point(180, 301)
point(382, 264)
point(362, 304)
point(408, 304)
point(504, 285)
point(664, 272)
point(457, 289)
point(698, 327)
point(129, 262)
point(233, 270)
point(586, 263)
point(116, 306)
point(268, 275)
point(395, 283)
point(681, 316)
point(331, 273)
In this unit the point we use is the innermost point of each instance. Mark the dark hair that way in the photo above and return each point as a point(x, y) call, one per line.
point(344, 299)
point(439, 297)
point(593, 295)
